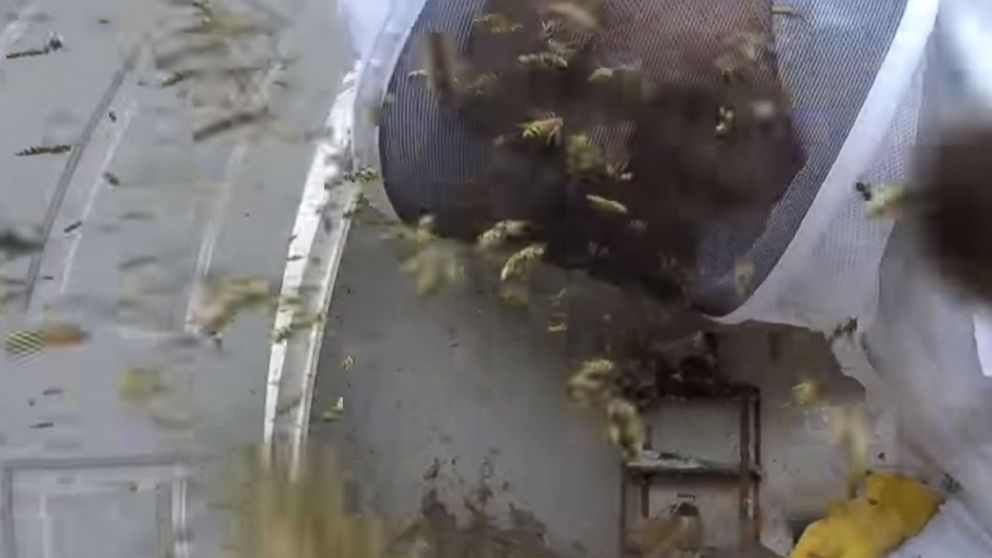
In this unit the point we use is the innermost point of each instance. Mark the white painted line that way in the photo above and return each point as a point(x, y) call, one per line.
point(316, 203)
point(120, 128)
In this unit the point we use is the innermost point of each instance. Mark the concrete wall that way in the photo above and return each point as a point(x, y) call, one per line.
point(478, 385)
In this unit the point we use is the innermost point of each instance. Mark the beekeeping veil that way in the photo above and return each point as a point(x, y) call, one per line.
point(721, 197)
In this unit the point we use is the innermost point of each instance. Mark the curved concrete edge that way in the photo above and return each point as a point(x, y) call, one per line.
point(318, 238)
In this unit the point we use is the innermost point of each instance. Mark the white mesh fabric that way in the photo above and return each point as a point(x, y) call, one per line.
point(828, 274)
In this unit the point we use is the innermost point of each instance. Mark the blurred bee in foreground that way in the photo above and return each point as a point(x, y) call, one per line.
point(501, 233)
point(434, 262)
point(626, 429)
point(547, 129)
point(593, 382)
point(850, 431)
point(24, 343)
point(520, 262)
point(279, 515)
point(217, 301)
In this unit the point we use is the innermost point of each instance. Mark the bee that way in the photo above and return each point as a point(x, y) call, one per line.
point(885, 200)
point(139, 385)
point(607, 205)
point(500, 233)
point(497, 24)
point(111, 179)
point(626, 428)
point(601, 75)
point(335, 412)
point(520, 261)
point(846, 329)
point(725, 121)
point(178, 76)
point(24, 343)
point(787, 11)
point(27, 53)
point(543, 60)
point(226, 24)
point(298, 324)
point(547, 129)
point(482, 85)
point(584, 157)
point(13, 244)
point(743, 276)
point(219, 301)
point(850, 431)
point(433, 266)
point(44, 150)
point(237, 120)
point(364, 175)
point(807, 392)
point(347, 363)
point(574, 15)
point(441, 64)
point(593, 381)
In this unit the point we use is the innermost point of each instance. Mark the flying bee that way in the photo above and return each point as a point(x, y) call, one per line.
point(626, 428)
point(25, 343)
point(584, 158)
point(500, 233)
point(546, 129)
point(607, 205)
point(574, 15)
point(44, 150)
point(885, 200)
point(13, 244)
point(807, 392)
point(497, 24)
point(593, 381)
point(441, 64)
point(543, 61)
point(334, 412)
point(725, 121)
point(519, 262)
point(601, 75)
point(743, 276)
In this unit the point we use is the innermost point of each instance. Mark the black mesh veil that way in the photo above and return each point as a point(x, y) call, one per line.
point(698, 193)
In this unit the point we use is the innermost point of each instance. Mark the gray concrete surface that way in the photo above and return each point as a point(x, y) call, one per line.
point(84, 472)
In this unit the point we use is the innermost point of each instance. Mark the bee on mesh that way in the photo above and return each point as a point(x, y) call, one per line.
point(593, 383)
point(497, 24)
point(546, 129)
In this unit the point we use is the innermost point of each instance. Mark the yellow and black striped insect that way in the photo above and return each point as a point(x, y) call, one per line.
point(44, 150)
point(25, 343)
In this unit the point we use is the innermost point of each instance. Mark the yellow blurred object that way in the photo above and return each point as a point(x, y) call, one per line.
point(894, 508)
